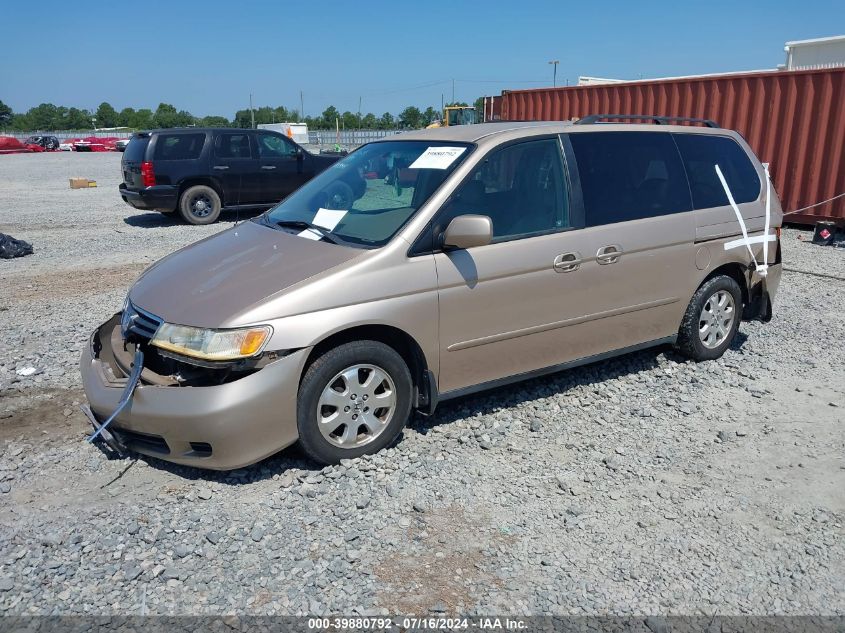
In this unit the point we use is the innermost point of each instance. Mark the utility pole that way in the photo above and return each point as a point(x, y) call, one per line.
point(359, 113)
point(301, 107)
point(251, 111)
point(554, 63)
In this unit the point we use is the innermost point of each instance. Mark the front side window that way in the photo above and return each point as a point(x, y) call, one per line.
point(274, 146)
point(521, 188)
point(366, 197)
point(701, 153)
point(233, 146)
point(629, 176)
point(179, 146)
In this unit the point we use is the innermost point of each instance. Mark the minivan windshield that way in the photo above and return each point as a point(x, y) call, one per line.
point(366, 197)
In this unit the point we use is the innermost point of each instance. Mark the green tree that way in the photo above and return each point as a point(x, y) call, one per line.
point(430, 115)
point(142, 119)
point(5, 115)
point(386, 121)
point(214, 121)
point(44, 116)
point(410, 117)
point(349, 120)
point(264, 115)
point(165, 116)
point(242, 119)
point(126, 117)
point(77, 119)
point(106, 115)
point(369, 121)
point(329, 118)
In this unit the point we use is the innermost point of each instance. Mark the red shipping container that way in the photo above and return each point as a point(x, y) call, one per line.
point(794, 120)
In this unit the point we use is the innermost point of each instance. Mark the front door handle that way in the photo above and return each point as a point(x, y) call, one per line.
point(567, 262)
point(221, 167)
point(609, 254)
point(268, 167)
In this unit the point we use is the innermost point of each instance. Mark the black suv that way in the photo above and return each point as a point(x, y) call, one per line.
point(199, 172)
point(49, 143)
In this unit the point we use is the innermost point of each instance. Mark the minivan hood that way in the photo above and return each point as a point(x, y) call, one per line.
point(212, 282)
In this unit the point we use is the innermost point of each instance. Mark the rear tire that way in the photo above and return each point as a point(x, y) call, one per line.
point(353, 400)
point(711, 320)
point(199, 204)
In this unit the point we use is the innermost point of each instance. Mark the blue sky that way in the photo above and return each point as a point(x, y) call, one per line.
point(207, 56)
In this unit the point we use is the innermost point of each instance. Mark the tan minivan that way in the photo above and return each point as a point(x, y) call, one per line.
point(476, 256)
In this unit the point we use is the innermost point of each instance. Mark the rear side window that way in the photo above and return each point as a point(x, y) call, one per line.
point(233, 145)
point(137, 149)
point(629, 176)
point(179, 146)
point(701, 153)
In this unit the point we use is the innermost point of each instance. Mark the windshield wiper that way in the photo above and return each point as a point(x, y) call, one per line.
point(302, 224)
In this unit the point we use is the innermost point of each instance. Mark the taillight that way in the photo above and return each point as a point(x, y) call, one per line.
point(148, 176)
point(777, 232)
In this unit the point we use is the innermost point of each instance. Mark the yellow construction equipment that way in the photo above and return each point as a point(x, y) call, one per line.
point(456, 115)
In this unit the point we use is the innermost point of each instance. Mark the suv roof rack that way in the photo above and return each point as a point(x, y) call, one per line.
point(657, 120)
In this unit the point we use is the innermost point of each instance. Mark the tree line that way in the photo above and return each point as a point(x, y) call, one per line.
point(48, 116)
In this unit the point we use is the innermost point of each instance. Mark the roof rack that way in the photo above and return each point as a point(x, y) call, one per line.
point(657, 120)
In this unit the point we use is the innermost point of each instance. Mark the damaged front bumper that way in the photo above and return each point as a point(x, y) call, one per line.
point(218, 426)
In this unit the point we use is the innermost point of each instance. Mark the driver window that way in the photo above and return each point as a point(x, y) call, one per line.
point(520, 187)
point(273, 146)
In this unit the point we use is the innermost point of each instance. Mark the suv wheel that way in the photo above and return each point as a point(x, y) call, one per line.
point(353, 400)
point(711, 320)
point(199, 204)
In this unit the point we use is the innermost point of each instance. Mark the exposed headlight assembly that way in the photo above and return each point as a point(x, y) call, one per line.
point(212, 344)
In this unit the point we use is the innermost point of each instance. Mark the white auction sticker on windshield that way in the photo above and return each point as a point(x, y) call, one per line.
point(328, 218)
point(437, 158)
point(310, 234)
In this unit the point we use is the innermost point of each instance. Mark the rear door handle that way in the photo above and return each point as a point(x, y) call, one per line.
point(609, 254)
point(268, 167)
point(221, 167)
point(567, 262)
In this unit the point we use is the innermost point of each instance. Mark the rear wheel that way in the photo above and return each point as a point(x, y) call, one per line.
point(353, 400)
point(199, 204)
point(711, 320)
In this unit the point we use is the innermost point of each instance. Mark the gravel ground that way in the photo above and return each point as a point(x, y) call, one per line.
point(646, 484)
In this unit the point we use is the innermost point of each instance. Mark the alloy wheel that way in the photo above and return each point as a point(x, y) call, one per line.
point(716, 320)
point(356, 406)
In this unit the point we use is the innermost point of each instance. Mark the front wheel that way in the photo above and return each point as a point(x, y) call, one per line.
point(711, 320)
point(353, 400)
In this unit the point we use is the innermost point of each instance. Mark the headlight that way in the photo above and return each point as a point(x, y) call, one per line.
point(211, 344)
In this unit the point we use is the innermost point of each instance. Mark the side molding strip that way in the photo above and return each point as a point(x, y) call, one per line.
point(495, 338)
point(500, 382)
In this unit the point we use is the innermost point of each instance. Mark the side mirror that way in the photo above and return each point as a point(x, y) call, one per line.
point(467, 231)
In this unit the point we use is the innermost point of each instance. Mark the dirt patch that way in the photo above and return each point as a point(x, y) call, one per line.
point(439, 574)
point(71, 283)
point(52, 413)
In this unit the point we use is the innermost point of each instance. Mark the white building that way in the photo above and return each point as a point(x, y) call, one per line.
point(823, 52)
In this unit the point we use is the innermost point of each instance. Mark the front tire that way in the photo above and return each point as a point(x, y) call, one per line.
point(354, 400)
point(711, 320)
point(199, 204)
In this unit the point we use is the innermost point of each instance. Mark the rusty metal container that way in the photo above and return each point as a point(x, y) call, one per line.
point(794, 120)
